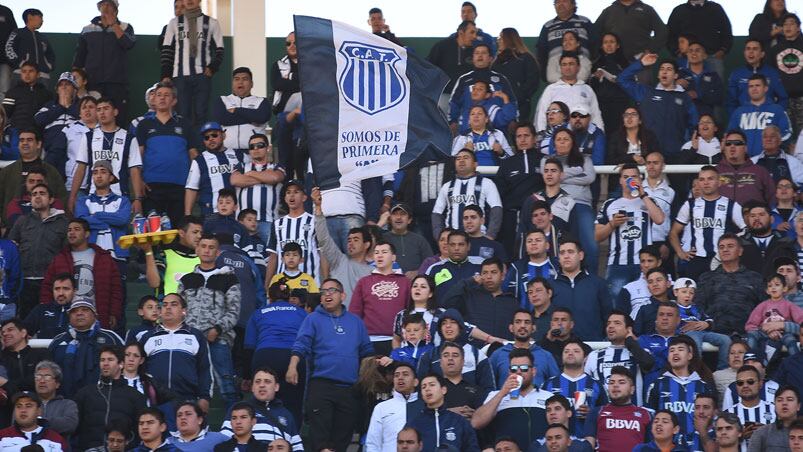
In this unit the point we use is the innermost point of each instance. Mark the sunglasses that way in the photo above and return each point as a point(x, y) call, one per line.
point(289, 43)
point(330, 290)
point(521, 368)
point(554, 110)
point(210, 136)
point(734, 143)
point(745, 382)
point(579, 115)
point(257, 145)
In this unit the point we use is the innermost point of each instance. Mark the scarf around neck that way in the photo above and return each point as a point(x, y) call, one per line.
point(190, 15)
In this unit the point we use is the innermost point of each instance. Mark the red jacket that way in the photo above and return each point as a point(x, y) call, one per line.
point(108, 285)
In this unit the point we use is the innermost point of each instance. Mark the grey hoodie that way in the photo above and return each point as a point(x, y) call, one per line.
point(341, 267)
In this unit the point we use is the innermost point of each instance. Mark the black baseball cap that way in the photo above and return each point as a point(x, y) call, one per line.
point(298, 183)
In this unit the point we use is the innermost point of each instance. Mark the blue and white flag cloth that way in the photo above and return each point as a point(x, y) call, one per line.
point(370, 107)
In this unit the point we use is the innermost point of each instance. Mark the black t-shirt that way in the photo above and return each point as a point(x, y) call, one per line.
point(463, 394)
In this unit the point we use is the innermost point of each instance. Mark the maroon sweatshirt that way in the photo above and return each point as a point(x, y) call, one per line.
point(377, 299)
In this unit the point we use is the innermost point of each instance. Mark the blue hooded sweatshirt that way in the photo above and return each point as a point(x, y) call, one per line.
point(737, 86)
point(753, 119)
point(333, 345)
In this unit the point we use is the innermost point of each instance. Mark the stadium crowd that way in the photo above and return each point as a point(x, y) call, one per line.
point(438, 308)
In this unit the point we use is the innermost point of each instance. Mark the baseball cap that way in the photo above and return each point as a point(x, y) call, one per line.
point(81, 302)
point(684, 282)
point(26, 395)
point(750, 356)
point(295, 182)
point(107, 165)
point(67, 76)
point(148, 91)
point(403, 206)
point(211, 125)
point(582, 109)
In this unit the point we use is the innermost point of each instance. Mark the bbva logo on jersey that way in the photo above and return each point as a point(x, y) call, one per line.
point(370, 81)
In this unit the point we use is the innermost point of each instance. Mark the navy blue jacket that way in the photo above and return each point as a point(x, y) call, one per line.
point(47, 320)
point(589, 299)
point(708, 87)
point(670, 114)
point(334, 345)
point(53, 118)
point(252, 288)
point(78, 355)
point(443, 429)
point(447, 273)
point(220, 224)
point(179, 360)
point(791, 373)
point(26, 45)
point(737, 86)
point(10, 264)
point(102, 54)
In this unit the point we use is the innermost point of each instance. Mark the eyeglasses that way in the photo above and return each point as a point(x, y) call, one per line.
point(43, 377)
point(579, 115)
point(750, 382)
point(734, 143)
point(209, 136)
point(554, 110)
point(331, 290)
point(629, 113)
point(784, 186)
point(521, 368)
point(257, 145)
point(289, 43)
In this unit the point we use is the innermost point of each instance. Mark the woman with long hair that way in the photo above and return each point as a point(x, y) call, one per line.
point(606, 68)
point(571, 44)
point(632, 142)
point(557, 117)
point(518, 64)
point(704, 146)
point(136, 377)
point(422, 301)
point(767, 25)
point(578, 175)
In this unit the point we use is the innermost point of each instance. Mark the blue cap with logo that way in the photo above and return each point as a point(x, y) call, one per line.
point(211, 125)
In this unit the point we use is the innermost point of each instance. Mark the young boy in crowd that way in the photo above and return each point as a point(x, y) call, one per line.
point(252, 244)
point(292, 256)
point(658, 284)
point(223, 222)
point(148, 311)
point(776, 319)
point(697, 324)
point(415, 342)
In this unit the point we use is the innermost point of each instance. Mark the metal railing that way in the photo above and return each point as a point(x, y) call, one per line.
point(614, 169)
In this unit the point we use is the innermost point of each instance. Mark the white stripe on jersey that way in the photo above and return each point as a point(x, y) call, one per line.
point(663, 195)
point(458, 193)
point(763, 413)
point(707, 221)
point(219, 166)
point(300, 230)
point(628, 239)
point(95, 147)
point(178, 30)
point(600, 362)
point(264, 198)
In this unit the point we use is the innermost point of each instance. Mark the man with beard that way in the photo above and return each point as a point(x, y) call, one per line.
point(518, 408)
point(47, 320)
point(619, 425)
point(753, 412)
point(522, 328)
point(761, 245)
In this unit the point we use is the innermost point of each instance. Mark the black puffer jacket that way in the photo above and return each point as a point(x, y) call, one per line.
point(102, 402)
point(20, 366)
point(22, 101)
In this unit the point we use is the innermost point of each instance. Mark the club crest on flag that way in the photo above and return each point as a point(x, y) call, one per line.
point(370, 82)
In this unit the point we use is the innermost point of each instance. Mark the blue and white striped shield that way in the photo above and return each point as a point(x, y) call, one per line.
point(370, 82)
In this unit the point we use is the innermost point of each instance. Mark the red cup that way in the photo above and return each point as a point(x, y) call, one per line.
point(154, 223)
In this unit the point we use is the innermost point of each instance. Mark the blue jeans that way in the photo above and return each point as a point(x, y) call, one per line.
point(220, 352)
point(619, 275)
point(339, 226)
point(722, 341)
point(193, 97)
point(264, 231)
point(757, 340)
point(582, 226)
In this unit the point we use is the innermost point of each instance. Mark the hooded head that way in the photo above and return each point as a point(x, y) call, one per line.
point(454, 326)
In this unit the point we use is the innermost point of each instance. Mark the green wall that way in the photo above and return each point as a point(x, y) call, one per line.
point(143, 61)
